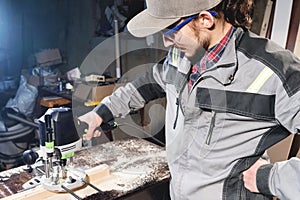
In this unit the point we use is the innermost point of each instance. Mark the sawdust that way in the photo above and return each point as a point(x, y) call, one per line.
point(134, 164)
point(107, 195)
point(13, 183)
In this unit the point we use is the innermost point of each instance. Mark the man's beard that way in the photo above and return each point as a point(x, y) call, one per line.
point(198, 55)
point(203, 44)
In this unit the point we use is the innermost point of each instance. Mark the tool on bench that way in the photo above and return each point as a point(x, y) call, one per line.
point(59, 140)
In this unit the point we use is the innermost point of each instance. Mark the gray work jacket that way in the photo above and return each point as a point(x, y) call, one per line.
point(236, 110)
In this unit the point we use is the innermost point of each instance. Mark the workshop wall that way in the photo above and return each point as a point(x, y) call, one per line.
point(26, 27)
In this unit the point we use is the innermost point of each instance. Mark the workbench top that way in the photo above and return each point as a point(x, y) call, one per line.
point(134, 164)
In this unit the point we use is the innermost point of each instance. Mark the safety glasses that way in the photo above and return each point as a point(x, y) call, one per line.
point(170, 33)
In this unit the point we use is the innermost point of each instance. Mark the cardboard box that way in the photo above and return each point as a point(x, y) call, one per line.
point(280, 151)
point(94, 93)
point(99, 92)
point(48, 57)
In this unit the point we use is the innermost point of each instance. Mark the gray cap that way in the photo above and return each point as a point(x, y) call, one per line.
point(162, 13)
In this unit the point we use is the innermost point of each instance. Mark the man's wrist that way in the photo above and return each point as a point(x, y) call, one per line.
point(103, 111)
point(262, 179)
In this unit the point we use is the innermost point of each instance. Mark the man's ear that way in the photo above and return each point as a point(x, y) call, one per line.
point(206, 20)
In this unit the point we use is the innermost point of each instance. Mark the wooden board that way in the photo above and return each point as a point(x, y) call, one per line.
point(95, 176)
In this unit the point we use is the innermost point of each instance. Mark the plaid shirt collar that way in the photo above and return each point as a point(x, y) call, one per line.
point(211, 57)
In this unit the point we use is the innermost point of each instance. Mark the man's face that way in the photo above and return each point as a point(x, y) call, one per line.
point(189, 39)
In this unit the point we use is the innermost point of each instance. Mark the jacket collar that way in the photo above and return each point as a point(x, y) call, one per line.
point(228, 64)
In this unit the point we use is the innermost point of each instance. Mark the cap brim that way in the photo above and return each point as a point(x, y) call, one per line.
point(144, 24)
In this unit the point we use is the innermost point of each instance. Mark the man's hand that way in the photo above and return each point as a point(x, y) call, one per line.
point(93, 120)
point(249, 176)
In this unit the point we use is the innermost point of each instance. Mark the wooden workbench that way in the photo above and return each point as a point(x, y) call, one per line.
point(135, 164)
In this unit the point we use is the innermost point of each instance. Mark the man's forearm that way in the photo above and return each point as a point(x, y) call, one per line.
point(281, 179)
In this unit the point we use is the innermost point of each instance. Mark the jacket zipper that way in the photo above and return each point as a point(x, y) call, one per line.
point(202, 77)
point(211, 127)
point(178, 102)
point(177, 110)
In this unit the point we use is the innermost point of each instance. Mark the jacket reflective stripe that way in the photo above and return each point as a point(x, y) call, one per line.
point(264, 75)
point(175, 55)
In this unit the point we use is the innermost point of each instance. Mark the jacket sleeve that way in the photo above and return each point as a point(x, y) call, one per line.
point(133, 95)
point(287, 92)
point(281, 179)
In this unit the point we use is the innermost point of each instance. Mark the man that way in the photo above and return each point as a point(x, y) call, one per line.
point(230, 96)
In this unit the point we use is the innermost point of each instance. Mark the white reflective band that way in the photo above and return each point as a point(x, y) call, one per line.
point(175, 56)
point(264, 75)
